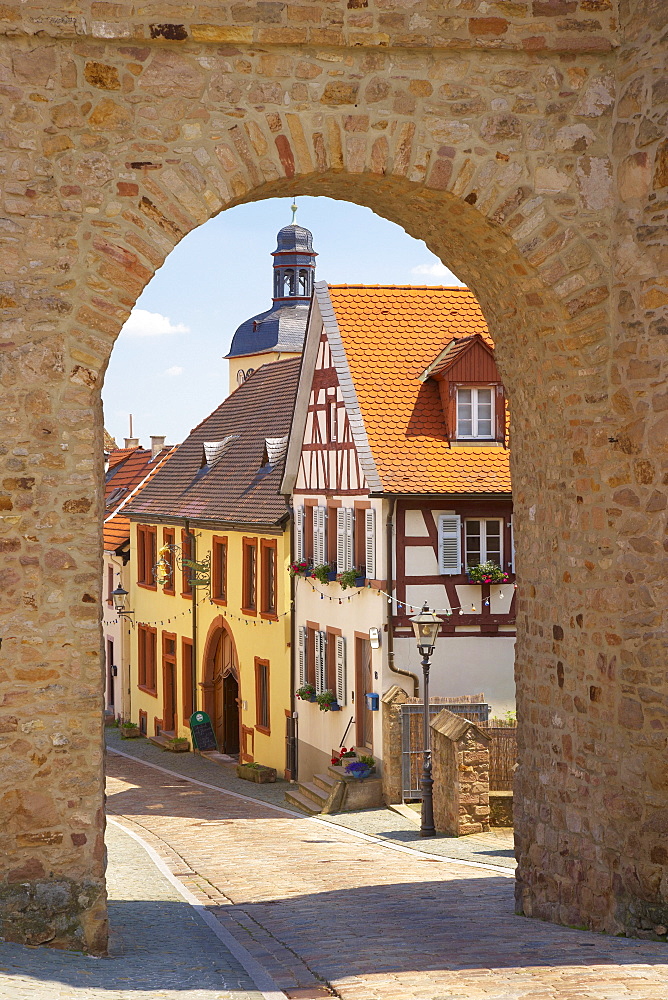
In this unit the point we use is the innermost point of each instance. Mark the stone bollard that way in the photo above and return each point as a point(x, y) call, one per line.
point(460, 755)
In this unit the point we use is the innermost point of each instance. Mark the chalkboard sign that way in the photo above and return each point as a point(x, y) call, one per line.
point(202, 732)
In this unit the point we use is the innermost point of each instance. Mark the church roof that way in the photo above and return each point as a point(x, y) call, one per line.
point(294, 239)
point(280, 328)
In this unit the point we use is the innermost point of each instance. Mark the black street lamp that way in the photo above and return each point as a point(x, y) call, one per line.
point(425, 627)
point(118, 596)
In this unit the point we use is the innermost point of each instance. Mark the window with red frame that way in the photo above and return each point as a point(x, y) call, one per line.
point(262, 695)
point(249, 580)
point(269, 581)
point(146, 555)
point(219, 570)
point(146, 657)
point(186, 571)
point(168, 538)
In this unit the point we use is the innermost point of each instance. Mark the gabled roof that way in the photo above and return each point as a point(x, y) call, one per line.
point(453, 351)
point(130, 469)
point(382, 338)
point(237, 488)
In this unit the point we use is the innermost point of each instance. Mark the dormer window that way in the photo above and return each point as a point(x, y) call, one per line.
point(475, 413)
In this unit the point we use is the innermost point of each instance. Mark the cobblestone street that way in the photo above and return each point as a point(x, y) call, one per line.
point(317, 905)
point(158, 947)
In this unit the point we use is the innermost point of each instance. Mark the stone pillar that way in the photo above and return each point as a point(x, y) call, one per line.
point(460, 755)
point(392, 701)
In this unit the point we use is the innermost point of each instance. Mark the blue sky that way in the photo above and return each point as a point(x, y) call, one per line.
point(167, 367)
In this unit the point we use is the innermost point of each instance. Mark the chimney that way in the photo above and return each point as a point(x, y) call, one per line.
point(132, 442)
point(157, 444)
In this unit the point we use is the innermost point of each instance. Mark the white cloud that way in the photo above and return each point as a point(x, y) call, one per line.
point(436, 270)
point(174, 370)
point(142, 323)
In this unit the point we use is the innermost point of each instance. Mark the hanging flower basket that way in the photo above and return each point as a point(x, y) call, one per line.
point(327, 701)
point(299, 568)
point(306, 692)
point(487, 572)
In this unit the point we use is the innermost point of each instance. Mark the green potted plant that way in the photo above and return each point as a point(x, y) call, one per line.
point(299, 568)
point(259, 773)
point(178, 744)
point(327, 701)
point(343, 756)
point(306, 692)
point(322, 572)
point(350, 578)
point(487, 572)
point(129, 730)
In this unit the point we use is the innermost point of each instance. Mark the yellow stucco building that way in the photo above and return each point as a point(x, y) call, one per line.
point(215, 636)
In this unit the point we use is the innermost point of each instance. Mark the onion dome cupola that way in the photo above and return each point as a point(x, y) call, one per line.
point(294, 263)
point(279, 332)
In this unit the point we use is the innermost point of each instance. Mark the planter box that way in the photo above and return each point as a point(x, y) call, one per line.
point(261, 775)
point(179, 748)
point(129, 734)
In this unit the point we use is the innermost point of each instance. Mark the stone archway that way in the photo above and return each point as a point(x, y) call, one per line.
point(526, 151)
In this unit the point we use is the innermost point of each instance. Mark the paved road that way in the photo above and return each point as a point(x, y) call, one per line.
point(317, 905)
point(495, 848)
point(159, 948)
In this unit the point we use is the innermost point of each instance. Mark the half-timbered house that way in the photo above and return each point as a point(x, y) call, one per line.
point(398, 469)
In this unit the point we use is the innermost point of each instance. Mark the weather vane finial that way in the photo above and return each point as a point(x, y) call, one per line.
point(293, 206)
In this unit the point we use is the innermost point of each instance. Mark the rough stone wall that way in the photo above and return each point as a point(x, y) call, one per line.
point(460, 761)
point(526, 147)
point(391, 703)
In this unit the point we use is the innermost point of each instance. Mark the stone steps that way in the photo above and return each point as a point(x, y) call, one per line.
point(301, 802)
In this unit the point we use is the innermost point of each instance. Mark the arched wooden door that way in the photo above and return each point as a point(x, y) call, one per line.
point(226, 709)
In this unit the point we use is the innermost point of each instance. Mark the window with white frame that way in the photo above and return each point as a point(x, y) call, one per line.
point(475, 412)
point(484, 541)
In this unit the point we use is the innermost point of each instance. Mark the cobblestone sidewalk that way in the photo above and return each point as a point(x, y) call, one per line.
point(159, 948)
point(495, 848)
point(316, 905)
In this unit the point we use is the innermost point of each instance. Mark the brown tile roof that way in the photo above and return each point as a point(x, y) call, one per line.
point(390, 334)
point(129, 469)
point(234, 489)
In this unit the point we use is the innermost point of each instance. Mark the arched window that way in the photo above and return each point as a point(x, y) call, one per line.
point(303, 281)
point(249, 372)
point(241, 378)
point(288, 282)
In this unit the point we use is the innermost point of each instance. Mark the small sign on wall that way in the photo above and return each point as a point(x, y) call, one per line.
point(374, 638)
point(372, 702)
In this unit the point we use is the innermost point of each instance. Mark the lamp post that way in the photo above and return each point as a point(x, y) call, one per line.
point(425, 627)
point(118, 596)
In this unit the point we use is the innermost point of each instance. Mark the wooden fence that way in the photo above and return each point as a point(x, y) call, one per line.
point(502, 755)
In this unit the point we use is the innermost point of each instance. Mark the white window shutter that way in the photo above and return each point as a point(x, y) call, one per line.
point(340, 539)
point(350, 535)
point(450, 544)
point(370, 543)
point(299, 529)
point(341, 670)
point(303, 672)
point(320, 662)
point(319, 535)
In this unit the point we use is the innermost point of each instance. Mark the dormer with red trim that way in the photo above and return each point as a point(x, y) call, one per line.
point(471, 391)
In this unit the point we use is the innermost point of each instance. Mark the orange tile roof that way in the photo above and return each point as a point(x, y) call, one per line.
point(129, 470)
point(390, 334)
